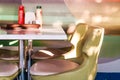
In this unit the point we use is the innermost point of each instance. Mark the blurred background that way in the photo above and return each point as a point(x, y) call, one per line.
point(95, 12)
point(105, 13)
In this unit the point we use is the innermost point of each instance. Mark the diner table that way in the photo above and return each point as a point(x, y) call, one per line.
point(47, 32)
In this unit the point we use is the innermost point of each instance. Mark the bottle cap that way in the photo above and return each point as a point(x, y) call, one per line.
point(39, 7)
point(21, 7)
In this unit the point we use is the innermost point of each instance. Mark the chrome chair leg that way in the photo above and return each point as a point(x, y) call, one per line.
point(29, 58)
point(22, 61)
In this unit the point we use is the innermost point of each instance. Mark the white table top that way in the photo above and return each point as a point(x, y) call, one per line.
point(46, 33)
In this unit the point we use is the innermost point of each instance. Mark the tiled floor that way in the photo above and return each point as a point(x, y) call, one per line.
point(105, 76)
point(108, 76)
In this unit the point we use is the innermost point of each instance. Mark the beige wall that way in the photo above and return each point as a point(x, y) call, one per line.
point(9, 11)
point(53, 10)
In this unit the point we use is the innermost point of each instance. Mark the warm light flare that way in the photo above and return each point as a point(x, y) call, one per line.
point(1, 45)
point(98, 1)
point(71, 54)
point(47, 52)
point(97, 19)
point(92, 50)
point(106, 19)
point(13, 42)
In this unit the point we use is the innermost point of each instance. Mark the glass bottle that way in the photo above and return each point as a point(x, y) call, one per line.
point(21, 15)
point(39, 15)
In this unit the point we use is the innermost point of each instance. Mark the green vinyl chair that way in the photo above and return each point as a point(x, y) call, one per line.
point(9, 53)
point(40, 53)
point(79, 63)
point(9, 60)
point(8, 70)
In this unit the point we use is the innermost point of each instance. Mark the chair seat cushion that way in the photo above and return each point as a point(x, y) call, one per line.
point(52, 66)
point(54, 44)
point(8, 54)
point(8, 69)
point(47, 53)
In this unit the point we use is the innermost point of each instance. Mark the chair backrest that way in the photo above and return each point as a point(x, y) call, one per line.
point(77, 40)
point(85, 39)
point(93, 41)
point(91, 49)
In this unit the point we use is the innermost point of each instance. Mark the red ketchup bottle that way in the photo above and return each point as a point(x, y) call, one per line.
point(21, 15)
